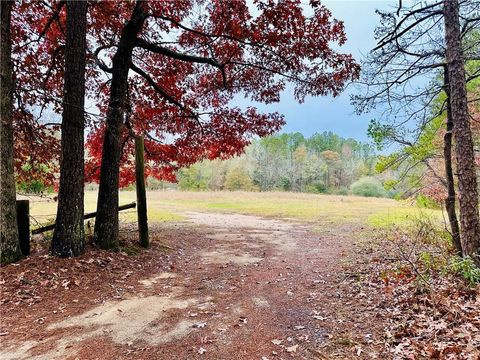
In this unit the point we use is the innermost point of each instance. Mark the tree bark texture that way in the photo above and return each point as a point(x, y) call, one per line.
point(106, 224)
point(9, 243)
point(69, 234)
point(447, 153)
point(467, 180)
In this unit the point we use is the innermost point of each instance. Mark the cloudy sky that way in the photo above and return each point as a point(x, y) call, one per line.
point(328, 114)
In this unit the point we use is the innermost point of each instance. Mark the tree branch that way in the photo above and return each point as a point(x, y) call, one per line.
point(99, 62)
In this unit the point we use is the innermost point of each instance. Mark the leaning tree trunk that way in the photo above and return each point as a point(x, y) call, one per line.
point(467, 180)
point(9, 243)
point(69, 234)
point(447, 153)
point(106, 224)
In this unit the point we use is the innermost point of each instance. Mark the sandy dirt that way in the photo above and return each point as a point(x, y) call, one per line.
point(232, 287)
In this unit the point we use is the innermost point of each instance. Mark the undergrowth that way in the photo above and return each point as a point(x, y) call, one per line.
point(426, 248)
point(466, 268)
point(430, 295)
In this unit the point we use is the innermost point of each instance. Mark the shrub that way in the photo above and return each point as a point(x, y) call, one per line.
point(423, 201)
point(285, 183)
point(34, 187)
point(155, 184)
point(466, 268)
point(368, 186)
point(238, 179)
point(318, 187)
point(191, 178)
point(343, 191)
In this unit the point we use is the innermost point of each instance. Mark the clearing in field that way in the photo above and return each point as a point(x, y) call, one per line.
point(257, 275)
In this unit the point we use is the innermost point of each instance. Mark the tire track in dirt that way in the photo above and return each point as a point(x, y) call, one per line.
point(242, 287)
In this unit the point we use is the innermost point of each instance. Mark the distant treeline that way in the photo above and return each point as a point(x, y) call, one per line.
point(323, 163)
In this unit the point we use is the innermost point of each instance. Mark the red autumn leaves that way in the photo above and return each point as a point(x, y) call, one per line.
point(253, 51)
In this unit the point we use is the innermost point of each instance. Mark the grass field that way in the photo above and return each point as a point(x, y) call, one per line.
point(324, 209)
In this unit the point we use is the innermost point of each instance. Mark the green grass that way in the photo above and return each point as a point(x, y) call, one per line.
point(306, 207)
point(318, 209)
point(315, 208)
point(156, 215)
point(402, 217)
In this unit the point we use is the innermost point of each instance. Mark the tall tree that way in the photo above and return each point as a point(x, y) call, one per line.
point(176, 75)
point(467, 180)
point(192, 77)
point(9, 243)
point(106, 224)
point(411, 49)
point(68, 236)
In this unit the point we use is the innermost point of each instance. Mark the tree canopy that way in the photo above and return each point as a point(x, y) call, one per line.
point(191, 59)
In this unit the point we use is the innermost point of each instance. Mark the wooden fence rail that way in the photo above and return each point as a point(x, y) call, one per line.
point(85, 217)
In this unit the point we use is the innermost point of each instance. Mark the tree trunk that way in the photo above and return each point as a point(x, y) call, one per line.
point(467, 180)
point(451, 197)
point(69, 234)
point(9, 243)
point(106, 224)
point(447, 153)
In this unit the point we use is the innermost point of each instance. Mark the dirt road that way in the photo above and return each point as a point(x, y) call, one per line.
point(218, 286)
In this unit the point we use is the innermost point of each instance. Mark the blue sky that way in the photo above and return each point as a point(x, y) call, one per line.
point(336, 114)
point(327, 113)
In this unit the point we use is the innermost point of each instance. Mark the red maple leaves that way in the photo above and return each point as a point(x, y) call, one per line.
point(191, 61)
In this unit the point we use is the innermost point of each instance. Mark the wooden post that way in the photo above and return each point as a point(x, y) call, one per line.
point(141, 194)
point(23, 224)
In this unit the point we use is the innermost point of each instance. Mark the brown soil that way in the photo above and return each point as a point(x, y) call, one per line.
point(219, 286)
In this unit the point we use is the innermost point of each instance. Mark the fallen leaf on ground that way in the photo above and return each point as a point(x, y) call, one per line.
point(292, 348)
